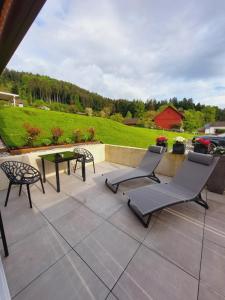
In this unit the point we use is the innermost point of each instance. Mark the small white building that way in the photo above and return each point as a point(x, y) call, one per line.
point(12, 98)
point(215, 127)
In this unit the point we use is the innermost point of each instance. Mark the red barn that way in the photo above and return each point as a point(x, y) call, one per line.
point(169, 118)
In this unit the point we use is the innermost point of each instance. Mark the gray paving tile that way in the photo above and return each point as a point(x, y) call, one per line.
point(205, 293)
point(69, 279)
point(60, 208)
point(31, 256)
point(149, 276)
point(215, 197)
point(107, 251)
point(178, 240)
point(20, 220)
point(43, 200)
point(111, 297)
point(190, 210)
point(77, 224)
point(215, 222)
point(104, 204)
point(128, 222)
point(213, 267)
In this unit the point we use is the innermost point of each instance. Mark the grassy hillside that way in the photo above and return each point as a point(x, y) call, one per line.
point(107, 131)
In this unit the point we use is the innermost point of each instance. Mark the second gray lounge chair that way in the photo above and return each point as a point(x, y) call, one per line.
point(185, 186)
point(146, 169)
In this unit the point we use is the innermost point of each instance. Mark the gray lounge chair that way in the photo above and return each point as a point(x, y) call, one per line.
point(146, 169)
point(185, 186)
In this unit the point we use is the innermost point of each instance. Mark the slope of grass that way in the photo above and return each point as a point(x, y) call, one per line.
point(107, 131)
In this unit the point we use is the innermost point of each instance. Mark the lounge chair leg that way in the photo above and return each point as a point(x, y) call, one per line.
point(201, 202)
point(94, 166)
point(154, 177)
point(145, 223)
point(112, 187)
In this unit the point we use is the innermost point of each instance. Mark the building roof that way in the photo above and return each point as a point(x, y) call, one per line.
point(16, 17)
point(217, 124)
point(8, 96)
point(131, 121)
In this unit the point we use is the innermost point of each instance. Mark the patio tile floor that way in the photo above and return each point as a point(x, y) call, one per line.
point(85, 243)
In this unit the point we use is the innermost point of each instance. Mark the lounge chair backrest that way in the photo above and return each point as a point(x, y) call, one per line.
point(195, 171)
point(152, 158)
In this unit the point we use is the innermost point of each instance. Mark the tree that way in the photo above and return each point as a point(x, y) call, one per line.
point(15, 89)
point(137, 108)
point(193, 119)
point(209, 113)
point(128, 115)
point(148, 119)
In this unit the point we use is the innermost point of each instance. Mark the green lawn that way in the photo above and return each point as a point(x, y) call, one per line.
point(107, 131)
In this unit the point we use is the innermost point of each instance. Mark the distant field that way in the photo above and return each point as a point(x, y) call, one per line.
point(107, 131)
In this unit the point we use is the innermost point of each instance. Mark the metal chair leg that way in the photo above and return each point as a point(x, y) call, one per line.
point(5, 246)
point(20, 190)
point(94, 166)
point(28, 193)
point(75, 167)
point(42, 185)
point(8, 192)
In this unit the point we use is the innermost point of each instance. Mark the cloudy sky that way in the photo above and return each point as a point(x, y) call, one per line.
point(131, 48)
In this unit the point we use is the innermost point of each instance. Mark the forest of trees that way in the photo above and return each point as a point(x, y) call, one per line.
point(36, 89)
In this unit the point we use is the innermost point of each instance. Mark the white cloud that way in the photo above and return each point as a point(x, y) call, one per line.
point(131, 48)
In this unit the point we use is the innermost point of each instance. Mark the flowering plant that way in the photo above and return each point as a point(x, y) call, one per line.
point(219, 150)
point(179, 140)
point(161, 139)
point(203, 142)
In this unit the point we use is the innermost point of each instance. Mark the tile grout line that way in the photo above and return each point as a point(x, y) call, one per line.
point(72, 247)
point(39, 275)
point(140, 244)
point(203, 236)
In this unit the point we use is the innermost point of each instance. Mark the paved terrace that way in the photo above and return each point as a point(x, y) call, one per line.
point(85, 243)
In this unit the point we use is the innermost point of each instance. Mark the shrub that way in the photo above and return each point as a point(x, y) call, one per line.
point(89, 111)
point(32, 134)
point(46, 142)
point(117, 117)
point(85, 137)
point(91, 132)
point(56, 134)
point(77, 136)
point(68, 141)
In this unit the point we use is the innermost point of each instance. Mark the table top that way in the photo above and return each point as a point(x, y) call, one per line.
point(61, 156)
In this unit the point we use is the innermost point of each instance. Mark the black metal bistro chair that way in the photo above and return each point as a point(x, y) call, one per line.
point(4, 242)
point(20, 173)
point(88, 157)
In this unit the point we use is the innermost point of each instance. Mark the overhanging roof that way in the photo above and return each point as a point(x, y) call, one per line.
point(8, 96)
point(16, 17)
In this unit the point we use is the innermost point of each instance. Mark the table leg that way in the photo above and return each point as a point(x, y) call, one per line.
point(57, 177)
point(43, 169)
point(83, 170)
point(68, 167)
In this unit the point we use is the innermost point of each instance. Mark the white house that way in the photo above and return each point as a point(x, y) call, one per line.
point(12, 98)
point(215, 127)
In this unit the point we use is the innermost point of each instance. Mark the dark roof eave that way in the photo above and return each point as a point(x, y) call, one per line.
point(16, 17)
